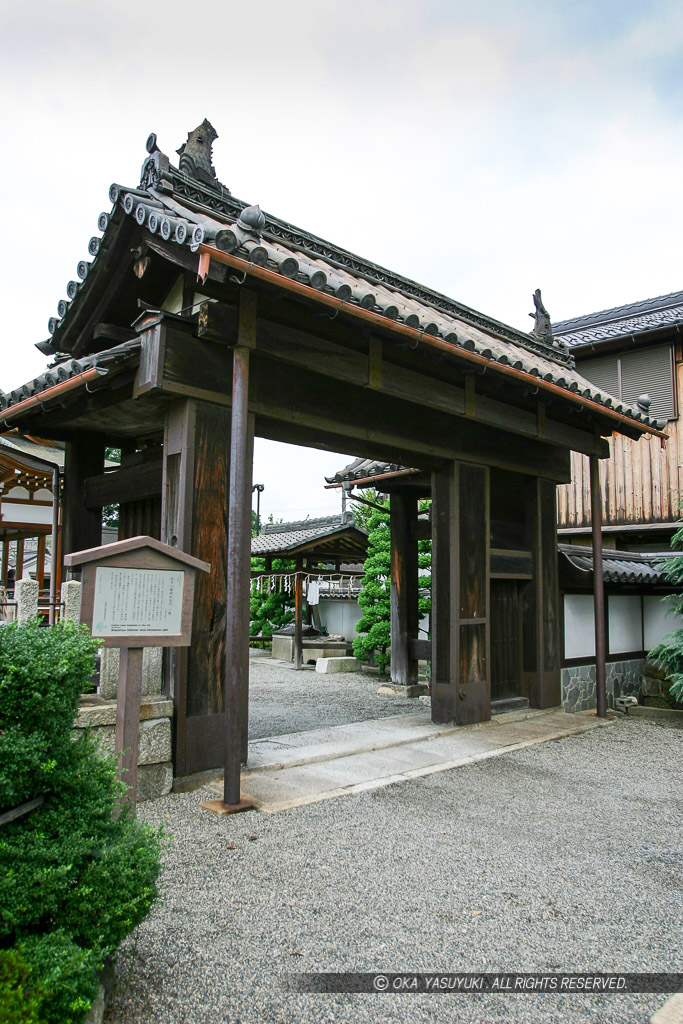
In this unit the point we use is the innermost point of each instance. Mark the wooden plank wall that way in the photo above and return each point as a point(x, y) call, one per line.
point(642, 481)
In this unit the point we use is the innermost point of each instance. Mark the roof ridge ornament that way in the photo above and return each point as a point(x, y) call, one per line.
point(543, 329)
point(196, 157)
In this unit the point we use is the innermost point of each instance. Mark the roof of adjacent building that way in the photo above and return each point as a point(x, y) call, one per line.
point(625, 567)
point(621, 321)
point(365, 469)
point(186, 207)
point(315, 536)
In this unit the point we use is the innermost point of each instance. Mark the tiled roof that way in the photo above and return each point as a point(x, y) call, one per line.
point(186, 207)
point(60, 372)
point(280, 537)
point(622, 321)
point(360, 469)
point(618, 566)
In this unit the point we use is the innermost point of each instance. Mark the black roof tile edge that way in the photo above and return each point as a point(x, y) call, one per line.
point(616, 313)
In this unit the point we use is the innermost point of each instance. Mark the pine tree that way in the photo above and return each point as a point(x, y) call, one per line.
point(375, 596)
point(669, 651)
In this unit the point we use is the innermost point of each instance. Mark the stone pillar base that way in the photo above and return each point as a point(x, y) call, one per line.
point(395, 690)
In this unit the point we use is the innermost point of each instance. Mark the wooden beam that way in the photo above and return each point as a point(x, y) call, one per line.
point(298, 347)
point(131, 483)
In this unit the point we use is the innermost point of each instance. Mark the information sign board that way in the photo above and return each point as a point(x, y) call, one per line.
point(137, 602)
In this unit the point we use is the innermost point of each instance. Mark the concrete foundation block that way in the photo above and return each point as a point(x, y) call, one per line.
point(283, 648)
point(333, 665)
point(395, 690)
point(154, 781)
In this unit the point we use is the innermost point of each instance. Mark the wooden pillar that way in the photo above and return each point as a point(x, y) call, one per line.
point(404, 587)
point(5, 561)
point(298, 615)
point(81, 526)
point(598, 589)
point(541, 610)
point(19, 564)
point(239, 556)
point(128, 718)
point(461, 690)
point(194, 519)
point(40, 561)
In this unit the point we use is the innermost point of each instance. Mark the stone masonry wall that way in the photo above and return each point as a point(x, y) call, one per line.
point(623, 678)
point(155, 771)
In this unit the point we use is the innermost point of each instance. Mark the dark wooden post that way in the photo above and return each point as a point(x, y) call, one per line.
point(541, 623)
point(404, 588)
point(194, 519)
point(128, 718)
point(19, 564)
point(40, 561)
point(461, 689)
point(81, 526)
point(598, 588)
point(239, 557)
point(5, 561)
point(298, 615)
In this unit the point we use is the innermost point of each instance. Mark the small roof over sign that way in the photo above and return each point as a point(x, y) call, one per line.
point(121, 547)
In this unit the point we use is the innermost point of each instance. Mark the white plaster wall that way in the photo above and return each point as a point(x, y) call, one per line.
point(625, 615)
point(657, 621)
point(340, 617)
point(579, 626)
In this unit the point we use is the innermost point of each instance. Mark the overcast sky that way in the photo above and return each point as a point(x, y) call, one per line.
point(483, 148)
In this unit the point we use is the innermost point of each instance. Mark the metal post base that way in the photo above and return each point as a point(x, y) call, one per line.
point(220, 807)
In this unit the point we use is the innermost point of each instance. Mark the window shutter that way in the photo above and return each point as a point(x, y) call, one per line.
point(603, 372)
point(648, 371)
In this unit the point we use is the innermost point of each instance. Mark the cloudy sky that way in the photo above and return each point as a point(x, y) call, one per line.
point(483, 148)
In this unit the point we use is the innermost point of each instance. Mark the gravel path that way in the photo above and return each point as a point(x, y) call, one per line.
point(564, 856)
point(282, 700)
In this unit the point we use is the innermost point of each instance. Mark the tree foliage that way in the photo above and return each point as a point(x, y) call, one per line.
point(269, 612)
point(374, 627)
point(375, 598)
point(669, 651)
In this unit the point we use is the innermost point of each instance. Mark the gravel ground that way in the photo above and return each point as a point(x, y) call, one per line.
point(282, 700)
point(564, 856)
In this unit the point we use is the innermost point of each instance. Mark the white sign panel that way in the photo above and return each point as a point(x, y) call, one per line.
point(145, 602)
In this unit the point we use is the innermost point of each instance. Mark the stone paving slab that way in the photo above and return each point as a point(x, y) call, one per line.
point(294, 770)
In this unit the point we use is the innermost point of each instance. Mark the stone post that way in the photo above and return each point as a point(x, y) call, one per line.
point(71, 601)
point(26, 595)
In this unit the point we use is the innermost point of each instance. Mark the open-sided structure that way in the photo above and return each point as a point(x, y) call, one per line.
point(199, 321)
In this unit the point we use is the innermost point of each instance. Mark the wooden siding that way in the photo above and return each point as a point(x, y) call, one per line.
point(641, 482)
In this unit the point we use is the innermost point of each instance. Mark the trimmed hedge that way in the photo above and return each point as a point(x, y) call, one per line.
point(75, 878)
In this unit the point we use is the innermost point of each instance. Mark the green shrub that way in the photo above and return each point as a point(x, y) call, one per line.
point(74, 877)
point(19, 995)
